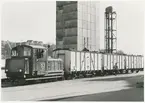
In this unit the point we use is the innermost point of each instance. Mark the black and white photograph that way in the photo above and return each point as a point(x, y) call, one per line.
point(85, 50)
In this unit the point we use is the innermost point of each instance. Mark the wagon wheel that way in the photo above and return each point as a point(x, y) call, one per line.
point(137, 71)
point(132, 71)
point(121, 71)
point(80, 75)
point(63, 78)
point(21, 81)
point(102, 73)
point(93, 74)
point(75, 76)
point(118, 72)
point(126, 71)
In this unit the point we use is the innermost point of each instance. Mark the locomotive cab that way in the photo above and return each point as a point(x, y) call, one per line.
point(31, 62)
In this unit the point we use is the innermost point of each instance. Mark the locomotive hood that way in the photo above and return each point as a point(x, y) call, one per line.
point(15, 65)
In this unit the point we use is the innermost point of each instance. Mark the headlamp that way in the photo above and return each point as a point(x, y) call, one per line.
point(20, 70)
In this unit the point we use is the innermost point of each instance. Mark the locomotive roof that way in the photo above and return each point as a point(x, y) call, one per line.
point(37, 46)
point(32, 46)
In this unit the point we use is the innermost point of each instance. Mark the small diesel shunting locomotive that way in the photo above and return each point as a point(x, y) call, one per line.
point(31, 62)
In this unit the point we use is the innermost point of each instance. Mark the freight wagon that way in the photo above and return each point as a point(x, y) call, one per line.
point(83, 63)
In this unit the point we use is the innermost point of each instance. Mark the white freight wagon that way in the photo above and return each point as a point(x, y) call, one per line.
point(79, 61)
point(85, 62)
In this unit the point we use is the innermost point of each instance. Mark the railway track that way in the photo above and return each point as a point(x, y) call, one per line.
point(5, 83)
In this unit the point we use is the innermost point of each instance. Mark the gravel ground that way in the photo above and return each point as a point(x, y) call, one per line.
point(3, 74)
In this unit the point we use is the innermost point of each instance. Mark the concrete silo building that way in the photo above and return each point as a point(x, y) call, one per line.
point(77, 25)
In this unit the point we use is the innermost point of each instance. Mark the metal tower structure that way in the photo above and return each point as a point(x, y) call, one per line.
point(110, 30)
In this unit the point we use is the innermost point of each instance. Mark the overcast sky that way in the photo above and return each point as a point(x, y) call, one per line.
point(35, 20)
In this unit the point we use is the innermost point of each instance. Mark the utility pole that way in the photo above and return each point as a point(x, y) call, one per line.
point(10, 48)
point(9, 44)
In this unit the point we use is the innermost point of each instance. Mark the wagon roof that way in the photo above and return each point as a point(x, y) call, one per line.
point(53, 59)
point(61, 49)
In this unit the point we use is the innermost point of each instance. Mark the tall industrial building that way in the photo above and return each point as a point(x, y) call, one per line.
point(77, 25)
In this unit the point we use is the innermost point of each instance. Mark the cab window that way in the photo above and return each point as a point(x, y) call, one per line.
point(14, 53)
point(21, 51)
point(27, 51)
point(40, 53)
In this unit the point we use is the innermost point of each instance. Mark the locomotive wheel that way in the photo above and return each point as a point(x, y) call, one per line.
point(68, 77)
point(44, 80)
point(15, 82)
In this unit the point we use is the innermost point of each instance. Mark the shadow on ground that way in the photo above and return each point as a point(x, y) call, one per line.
point(122, 95)
point(133, 81)
point(115, 78)
point(135, 93)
